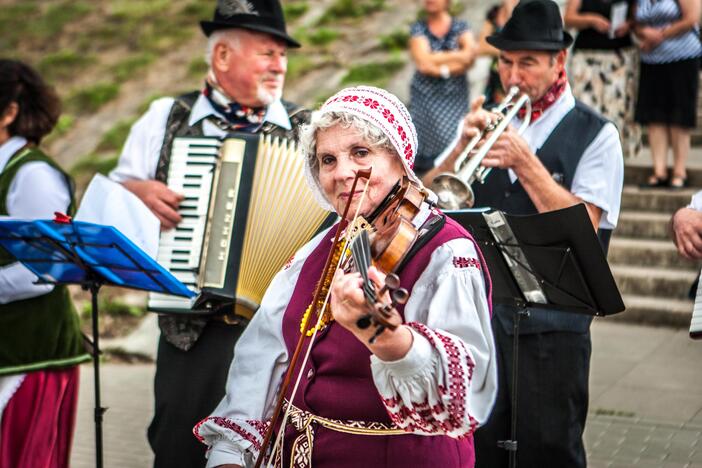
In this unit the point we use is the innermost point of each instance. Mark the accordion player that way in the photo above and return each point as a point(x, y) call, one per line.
point(246, 210)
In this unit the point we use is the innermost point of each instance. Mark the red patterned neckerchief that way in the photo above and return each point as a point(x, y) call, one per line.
point(554, 92)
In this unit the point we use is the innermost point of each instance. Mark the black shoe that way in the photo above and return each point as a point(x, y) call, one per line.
point(655, 182)
point(677, 183)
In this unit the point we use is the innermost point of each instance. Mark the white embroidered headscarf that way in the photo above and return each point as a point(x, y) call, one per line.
point(381, 109)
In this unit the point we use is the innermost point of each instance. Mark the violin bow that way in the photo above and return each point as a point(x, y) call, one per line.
point(366, 173)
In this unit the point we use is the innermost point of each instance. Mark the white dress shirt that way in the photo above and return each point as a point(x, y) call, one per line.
point(36, 192)
point(599, 176)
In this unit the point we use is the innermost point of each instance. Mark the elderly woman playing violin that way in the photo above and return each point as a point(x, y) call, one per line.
point(395, 370)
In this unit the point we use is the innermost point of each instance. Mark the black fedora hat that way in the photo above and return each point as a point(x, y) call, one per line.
point(256, 15)
point(534, 25)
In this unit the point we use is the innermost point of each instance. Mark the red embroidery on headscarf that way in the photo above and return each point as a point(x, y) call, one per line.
point(388, 115)
point(547, 100)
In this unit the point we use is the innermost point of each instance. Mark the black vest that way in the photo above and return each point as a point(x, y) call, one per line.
point(183, 332)
point(560, 154)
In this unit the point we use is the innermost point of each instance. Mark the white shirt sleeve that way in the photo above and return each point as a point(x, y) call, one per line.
point(599, 177)
point(696, 201)
point(36, 192)
point(141, 150)
point(453, 348)
point(235, 430)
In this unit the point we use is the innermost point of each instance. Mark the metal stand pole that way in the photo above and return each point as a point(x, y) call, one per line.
point(99, 410)
point(511, 444)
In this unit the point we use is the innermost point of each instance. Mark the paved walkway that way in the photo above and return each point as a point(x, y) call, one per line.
point(645, 406)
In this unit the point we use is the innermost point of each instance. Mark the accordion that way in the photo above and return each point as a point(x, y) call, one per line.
point(246, 209)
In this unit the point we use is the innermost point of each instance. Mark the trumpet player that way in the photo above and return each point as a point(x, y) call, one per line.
point(567, 154)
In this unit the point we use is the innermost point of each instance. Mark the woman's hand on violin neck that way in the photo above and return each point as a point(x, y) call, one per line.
point(348, 305)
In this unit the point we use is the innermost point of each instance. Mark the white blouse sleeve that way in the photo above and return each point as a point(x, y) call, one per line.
point(447, 382)
point(235, 430)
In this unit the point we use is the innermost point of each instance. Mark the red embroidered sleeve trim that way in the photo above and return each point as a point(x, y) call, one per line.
point(448, 415)
point(256, 438)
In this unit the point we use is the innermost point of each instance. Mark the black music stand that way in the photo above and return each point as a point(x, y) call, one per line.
point(91, 255)
point(550, 260)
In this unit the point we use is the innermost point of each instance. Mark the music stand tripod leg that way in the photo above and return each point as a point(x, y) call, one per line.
point(94, 287)
point(511, 444)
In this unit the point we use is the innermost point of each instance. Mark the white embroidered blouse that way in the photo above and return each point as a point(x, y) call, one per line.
point(449, 317)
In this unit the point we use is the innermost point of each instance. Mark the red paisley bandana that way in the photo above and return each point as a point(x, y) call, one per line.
point(547, 100)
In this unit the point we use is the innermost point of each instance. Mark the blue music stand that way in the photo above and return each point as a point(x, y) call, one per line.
point(91, 255)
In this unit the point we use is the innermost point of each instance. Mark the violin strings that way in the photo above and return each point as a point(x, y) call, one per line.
point(320, 314)
point(360, 249)
point(367, 250)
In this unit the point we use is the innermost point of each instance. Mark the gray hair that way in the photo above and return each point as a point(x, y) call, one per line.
point(228, 36)
point(323, 120)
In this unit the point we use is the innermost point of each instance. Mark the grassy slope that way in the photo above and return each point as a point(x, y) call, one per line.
point(97, 52)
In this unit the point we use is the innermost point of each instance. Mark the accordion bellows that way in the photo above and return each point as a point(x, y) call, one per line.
point(252, 198)
point(283, 216)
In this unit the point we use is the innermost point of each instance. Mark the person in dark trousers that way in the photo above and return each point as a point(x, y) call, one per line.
point(247, 57)
point(568, 154)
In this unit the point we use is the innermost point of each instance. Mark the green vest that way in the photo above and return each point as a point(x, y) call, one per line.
point(40, 332)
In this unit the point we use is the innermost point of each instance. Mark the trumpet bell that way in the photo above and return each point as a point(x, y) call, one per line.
point(452, 192)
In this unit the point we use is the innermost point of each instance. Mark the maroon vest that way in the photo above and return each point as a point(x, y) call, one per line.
point(337, 382)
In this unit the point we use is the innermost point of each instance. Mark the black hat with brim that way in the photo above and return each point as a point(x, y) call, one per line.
point(264, 16)
point(534, 25)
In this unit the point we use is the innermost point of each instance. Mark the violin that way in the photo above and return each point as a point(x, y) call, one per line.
point(391, 239)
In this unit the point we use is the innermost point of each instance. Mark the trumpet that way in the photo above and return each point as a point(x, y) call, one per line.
point(453, 189)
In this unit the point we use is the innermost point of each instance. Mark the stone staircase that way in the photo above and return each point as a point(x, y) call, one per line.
point(653, 280)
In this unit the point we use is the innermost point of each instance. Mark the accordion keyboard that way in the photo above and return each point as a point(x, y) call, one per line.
point(190, 173)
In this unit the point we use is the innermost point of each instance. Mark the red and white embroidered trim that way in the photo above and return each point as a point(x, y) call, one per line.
point(254, 433)
point(448, 415)
point(465, 262)
point(382, 109)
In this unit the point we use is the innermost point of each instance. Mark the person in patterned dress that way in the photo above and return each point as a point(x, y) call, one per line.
point(603, 66)
point(362, 404)
point(443, 49)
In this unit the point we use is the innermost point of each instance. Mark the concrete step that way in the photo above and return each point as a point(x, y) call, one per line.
point(655, 311)
point(643, 224)
point(654, 200)
point(660, 254)
point(635, 174)
point(653, 282)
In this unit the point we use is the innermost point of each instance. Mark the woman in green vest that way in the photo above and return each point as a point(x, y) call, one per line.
point(40, 340)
